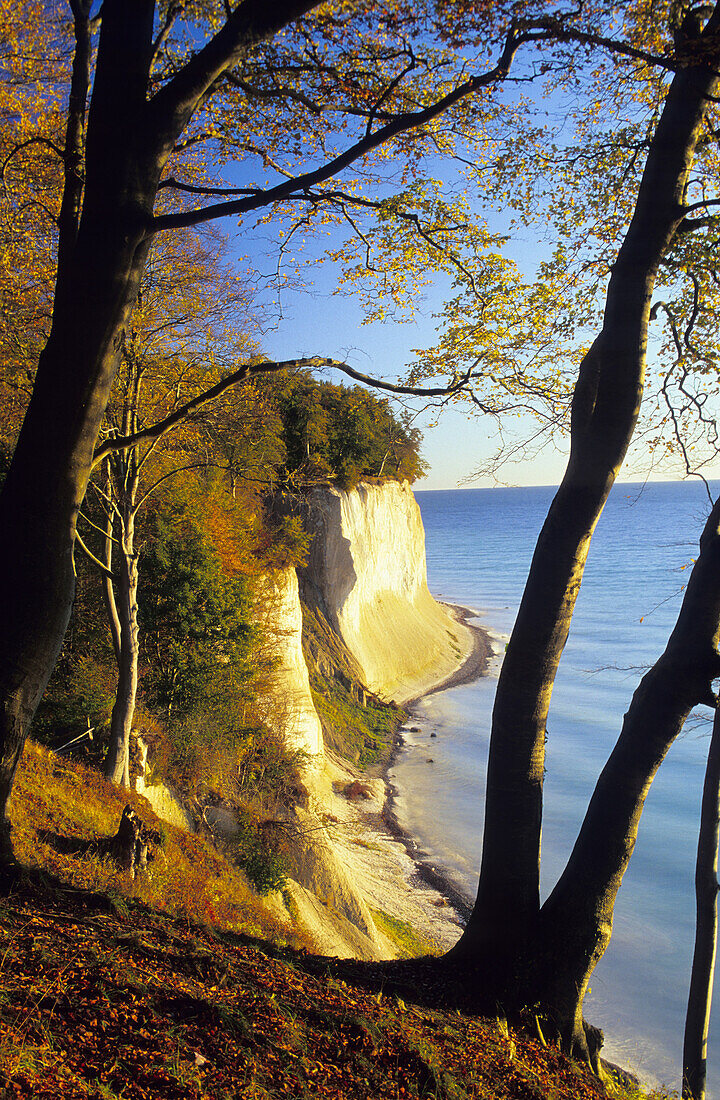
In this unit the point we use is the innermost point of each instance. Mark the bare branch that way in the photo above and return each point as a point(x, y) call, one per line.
point(372, 115)
point(103, 532)
point(178, 185)
point(689, 225)
point(172, 13)
point(278, 92)
point(24, 145)
point(702, 205)
point(564, 33)
point(96, 561)
point(180, 470)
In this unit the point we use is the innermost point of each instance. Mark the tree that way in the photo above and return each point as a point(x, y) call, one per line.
point(528, 954)
point(316, 72)
point(194, 616)
point(339, 434)
point(182, 326)
point(697, 1020)
point(30, 140)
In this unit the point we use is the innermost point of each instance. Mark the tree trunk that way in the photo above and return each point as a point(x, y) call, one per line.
point(605, 408)
point(117, 762)
point(130, 134)
point(697, 1020)
point(43, 493)
point(48, 476)
point(575, 922)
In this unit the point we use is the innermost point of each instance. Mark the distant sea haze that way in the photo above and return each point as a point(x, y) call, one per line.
point(479, 546)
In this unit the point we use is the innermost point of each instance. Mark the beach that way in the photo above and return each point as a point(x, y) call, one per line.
point(383, 860)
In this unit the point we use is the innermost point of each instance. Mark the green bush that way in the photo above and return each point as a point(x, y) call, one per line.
point(257, 854)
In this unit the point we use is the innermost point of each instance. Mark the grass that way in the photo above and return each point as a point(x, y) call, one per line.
point(55, 800)
point(410, 944)
point(362, 734)
point(360, 727)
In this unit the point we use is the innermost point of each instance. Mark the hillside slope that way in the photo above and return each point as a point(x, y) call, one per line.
point(105, 1001)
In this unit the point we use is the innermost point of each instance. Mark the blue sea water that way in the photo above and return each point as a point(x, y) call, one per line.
point(479, 544)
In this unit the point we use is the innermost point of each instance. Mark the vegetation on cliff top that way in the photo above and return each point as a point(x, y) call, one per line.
point(200, 541)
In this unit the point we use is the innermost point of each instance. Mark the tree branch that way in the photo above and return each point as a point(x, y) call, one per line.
point(564, 33)
point(123, 443)
point(178, 185)
point(294, 187)
point(24, 145)
point(180, 470)
point(251, 22)
point(96, 561)
point(689, 225)
point(172, 13)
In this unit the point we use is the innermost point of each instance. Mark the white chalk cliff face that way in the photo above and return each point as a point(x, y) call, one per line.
point(367, 571)
point(291, 707)
point(367, 575)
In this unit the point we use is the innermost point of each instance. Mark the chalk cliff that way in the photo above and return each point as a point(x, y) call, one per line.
point(367, 574)
point(290, 707)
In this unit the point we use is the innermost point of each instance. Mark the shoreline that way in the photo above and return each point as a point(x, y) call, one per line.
point(472, 668)
point(441, 881)
point(475, 664)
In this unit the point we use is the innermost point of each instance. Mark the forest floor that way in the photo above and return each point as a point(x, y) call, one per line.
point(186, 984)
point(107, 1000)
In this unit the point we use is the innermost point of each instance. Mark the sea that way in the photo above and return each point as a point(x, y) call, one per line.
point(479, 544)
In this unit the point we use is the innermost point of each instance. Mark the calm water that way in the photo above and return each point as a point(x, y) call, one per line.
point(479, 545)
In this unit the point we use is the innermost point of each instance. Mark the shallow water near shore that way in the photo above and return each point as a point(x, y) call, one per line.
point(479, 546)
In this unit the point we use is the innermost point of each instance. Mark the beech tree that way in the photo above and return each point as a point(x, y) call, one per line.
point(528, 954)
point(697, 1019)
point(182, 330)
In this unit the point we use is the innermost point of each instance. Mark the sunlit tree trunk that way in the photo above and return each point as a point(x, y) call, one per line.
point(117, 761)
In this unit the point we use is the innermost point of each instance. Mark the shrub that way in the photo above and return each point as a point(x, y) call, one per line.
point(256, 851)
